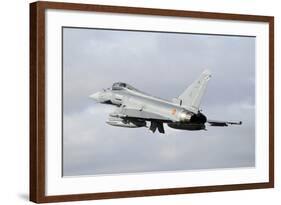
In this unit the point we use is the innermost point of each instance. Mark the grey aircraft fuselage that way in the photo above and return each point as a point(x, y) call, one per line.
point(136, 108)
point(157, 108)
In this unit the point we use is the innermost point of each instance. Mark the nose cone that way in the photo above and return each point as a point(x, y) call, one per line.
point(95, 96)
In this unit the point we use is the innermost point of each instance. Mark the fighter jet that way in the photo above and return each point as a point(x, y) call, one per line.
point(138, 109)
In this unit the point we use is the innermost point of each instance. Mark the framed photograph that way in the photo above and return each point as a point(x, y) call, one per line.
point(128, 102)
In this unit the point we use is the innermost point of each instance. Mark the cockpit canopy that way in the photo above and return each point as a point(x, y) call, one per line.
point(120, 86)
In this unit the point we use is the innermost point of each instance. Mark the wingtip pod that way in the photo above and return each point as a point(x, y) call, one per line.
point(236, 123)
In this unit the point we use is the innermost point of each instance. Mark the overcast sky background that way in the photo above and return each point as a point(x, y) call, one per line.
point(164, 65)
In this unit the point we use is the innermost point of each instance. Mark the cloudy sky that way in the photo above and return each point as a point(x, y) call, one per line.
point(162, 64)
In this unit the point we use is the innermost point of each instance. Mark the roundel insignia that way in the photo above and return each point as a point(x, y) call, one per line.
point(174, 111)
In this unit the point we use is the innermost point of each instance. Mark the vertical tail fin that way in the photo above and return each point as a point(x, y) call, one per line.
point(191, 97)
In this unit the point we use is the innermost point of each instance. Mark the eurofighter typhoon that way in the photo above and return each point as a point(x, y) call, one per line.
point(138, 109)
